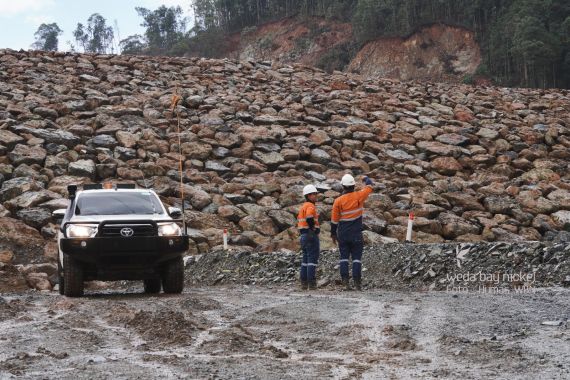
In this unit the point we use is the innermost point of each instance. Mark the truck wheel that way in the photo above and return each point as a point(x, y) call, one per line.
point(60, 281)
point(173, 276)
point(72, 277)
point(152, 286)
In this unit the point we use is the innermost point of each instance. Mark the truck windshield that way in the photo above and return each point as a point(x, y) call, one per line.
point(118, 203)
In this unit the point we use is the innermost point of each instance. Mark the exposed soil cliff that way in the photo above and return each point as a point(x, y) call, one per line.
point(434, 53)
point(290, 40)
point(438, 52)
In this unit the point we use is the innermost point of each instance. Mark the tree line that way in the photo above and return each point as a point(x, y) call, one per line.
point(524, 42)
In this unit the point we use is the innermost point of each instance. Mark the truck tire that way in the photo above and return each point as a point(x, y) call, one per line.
point(173, 276)
point(152, 286)
point(60, 281)
point(72, 277)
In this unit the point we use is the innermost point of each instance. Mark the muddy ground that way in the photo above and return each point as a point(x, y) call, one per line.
point(253, 332)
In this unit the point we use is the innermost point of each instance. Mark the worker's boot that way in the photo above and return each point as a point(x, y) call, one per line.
point(304, 285)
point(346, 283)
point(312, 285)
point(357, 284)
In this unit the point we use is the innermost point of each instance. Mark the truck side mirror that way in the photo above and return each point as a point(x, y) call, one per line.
point(174, 212)
point(59, 214)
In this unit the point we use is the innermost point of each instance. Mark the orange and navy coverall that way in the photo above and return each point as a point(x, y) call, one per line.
point(346, 226)
point(309, 228)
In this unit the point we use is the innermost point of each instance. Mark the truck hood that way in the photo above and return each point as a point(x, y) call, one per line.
point(99, 218)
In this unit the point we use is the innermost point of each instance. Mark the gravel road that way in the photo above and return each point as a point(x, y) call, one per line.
point(250, 332)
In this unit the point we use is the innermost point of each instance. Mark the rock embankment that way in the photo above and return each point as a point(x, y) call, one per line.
point(458, 267)
point(474, 164)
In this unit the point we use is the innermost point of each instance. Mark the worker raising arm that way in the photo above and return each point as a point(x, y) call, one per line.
point(346, 228)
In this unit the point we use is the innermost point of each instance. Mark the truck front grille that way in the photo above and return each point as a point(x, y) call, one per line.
point(114, 230)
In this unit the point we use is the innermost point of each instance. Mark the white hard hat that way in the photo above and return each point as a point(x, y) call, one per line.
point(309, 189)
point(347, 180)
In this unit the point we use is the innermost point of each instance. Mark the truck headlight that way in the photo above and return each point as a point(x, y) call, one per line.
point(81, 231)
point(169, 229)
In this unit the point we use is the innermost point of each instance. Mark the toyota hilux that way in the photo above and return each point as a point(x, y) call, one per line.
point(119, 232)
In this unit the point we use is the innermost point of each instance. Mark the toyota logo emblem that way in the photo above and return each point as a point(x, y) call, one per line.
point(127, 232)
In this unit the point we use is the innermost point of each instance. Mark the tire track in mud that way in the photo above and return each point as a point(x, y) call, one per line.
point(261, 333)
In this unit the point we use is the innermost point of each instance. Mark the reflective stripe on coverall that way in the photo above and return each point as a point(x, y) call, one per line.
point(309, 218)
point(346, 225)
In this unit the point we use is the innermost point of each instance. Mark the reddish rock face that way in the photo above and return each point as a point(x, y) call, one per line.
point(416, 56)
point(286, 43)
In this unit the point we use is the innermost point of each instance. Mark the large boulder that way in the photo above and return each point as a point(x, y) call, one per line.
point(231, 213)
point(6, 257)
point(282, 219)
point(83, 168)
point(262, 224)
point(562, 218)
point(271, 159)
point(499, 205)
point(10, 139)
point(11, 280)
point(30, 199)
point(18, 186)
point(464, 200)
point(25, 241)
point(25, 154)
point(446, 165)
point(196, 150)
point(561, 198)
point(50, 136)
point(105, 141)
point(197, 197)
point(127, 139)
point(36, 217)
point(454, 226)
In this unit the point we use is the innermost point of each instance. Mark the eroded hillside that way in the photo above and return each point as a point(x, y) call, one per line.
point(437, 52)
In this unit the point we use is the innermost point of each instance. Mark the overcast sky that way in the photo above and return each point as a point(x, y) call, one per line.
point(19, 19)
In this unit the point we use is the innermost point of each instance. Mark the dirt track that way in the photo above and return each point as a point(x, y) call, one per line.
point(254, 332)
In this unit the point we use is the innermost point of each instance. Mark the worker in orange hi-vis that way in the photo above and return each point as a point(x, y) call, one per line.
point(309, 228)
point(346, 228)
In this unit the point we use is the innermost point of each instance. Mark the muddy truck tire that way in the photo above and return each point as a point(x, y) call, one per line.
point(173, 276)
point(152, 286)
point(72, 277)
point(60, 281)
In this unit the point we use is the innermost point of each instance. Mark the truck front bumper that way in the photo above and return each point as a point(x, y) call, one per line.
point(122, 258)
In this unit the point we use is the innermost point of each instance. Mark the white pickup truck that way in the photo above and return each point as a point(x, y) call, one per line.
point(119, 233)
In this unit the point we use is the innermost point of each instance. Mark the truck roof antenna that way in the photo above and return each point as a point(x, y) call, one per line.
point(175, 99)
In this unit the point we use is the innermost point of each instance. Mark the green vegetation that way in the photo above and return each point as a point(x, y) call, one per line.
point(47, 37)
point(524, 42)
point(96, 36)
point(165, 30)
point(338, 57)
